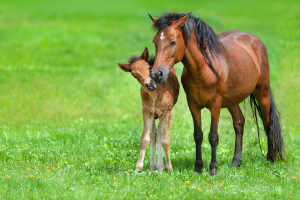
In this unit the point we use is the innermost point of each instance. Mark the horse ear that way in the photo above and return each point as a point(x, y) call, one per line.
point(124, 67)
point(152, 18)
point(145, 55)
point(179, 23)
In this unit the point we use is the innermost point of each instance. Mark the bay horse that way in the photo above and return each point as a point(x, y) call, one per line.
point(158, 102)
point(220, 71)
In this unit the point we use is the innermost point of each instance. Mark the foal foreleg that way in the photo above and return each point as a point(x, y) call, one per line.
point(145, 139)
point(238, 124)
point(213, 134)
point(166, 143)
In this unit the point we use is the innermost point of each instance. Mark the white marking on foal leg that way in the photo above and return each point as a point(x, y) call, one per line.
point(162, 36)
point(145, 139)
point(153, 147)
point(160, 163)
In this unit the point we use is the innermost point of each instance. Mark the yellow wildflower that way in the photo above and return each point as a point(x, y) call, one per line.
point(28, 168)
point(216, 197)
point(119, 183)
point(292, 170)
point(5, 169)
point(207, 186)
point(296, 168)
point(31, 176)
point(294, 178)
point(199, 190)
point(241, 172)
point(245, 183)
point(205, 140)
point(9, 177)
point(223, 187)
point(202, 145)
point(203, 184)
point(282, 163)
point(187, 182)
point(48, 170)
point(51, 166)
point(82, 181)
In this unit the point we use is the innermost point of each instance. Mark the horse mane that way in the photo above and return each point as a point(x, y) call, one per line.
point(207, 39)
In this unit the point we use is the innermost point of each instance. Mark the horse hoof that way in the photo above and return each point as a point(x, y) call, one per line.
point(213, 172)
point(236, 163)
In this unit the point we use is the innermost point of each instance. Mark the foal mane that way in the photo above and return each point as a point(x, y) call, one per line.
point(150, 61)
point(207, 39)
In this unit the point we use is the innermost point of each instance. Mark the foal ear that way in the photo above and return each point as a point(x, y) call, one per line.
point(145, 55)
point(124, 67)
point(152, 18)
point(179, 23)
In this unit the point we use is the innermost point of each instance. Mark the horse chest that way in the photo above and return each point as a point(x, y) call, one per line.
point(158, 105)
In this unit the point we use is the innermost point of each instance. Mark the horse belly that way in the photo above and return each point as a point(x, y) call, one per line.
point(243, 74)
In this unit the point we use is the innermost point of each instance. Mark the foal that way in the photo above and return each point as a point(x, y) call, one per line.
point(158, 102)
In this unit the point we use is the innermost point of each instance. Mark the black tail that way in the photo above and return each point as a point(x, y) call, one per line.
point(275, 135)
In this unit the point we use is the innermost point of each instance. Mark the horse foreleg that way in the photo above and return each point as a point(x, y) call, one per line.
point(145, 139)
point(238, 124)
point(166, 143)
point(198, 134)
point(215, 109)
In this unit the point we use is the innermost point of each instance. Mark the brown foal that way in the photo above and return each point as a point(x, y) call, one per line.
point(158, 101)
point(220, 71)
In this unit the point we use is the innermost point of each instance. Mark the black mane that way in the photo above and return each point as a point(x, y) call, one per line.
point(207, 40)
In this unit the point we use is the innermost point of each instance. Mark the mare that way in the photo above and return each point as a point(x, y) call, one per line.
point(220, 71)
point(158, 102)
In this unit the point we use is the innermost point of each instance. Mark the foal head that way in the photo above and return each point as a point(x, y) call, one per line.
point(140, 69)
point(169, 44)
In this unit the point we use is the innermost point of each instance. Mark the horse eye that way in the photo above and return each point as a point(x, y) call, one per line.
point(134, 76)
point(173, 42)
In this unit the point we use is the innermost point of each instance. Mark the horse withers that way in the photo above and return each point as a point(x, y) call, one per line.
point(158, 101)
point(220, 71)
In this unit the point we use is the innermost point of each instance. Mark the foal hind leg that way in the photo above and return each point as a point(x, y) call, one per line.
point(238, 124)
point(160, 163)
point(145, 139)
point(166, 143)
point(153, 133)
point(262, 96)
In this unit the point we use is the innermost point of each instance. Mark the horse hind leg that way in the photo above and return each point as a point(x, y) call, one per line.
point(238, 124)
point(271, 122)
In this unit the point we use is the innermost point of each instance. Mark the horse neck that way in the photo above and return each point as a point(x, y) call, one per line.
point(193, 60)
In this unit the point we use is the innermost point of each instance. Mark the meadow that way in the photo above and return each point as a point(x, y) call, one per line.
point(71, 120)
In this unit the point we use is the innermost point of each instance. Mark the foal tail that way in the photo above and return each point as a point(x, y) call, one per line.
point(275, 133)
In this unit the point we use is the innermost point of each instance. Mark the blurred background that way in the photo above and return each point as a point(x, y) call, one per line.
point(67, 112)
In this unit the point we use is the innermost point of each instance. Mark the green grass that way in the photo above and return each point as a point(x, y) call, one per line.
point(72, 119)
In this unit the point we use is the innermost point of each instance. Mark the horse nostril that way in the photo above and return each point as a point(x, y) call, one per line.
point(160, 73)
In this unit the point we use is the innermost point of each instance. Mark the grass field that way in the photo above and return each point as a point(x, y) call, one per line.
point(70, 119)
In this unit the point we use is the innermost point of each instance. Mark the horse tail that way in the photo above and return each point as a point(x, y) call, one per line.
point(275, 133)
point(255, 108)
point(275, 128)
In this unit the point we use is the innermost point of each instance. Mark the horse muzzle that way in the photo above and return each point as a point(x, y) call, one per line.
point(160, 75)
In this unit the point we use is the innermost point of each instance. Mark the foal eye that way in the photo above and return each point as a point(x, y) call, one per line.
point(173, 42)
point(134, 76)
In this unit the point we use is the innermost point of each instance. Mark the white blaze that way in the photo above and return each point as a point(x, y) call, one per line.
point(162, 36)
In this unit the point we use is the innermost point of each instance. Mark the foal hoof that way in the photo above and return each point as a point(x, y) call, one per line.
point(153, 167)
point(138, 168)
point(169, 168)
